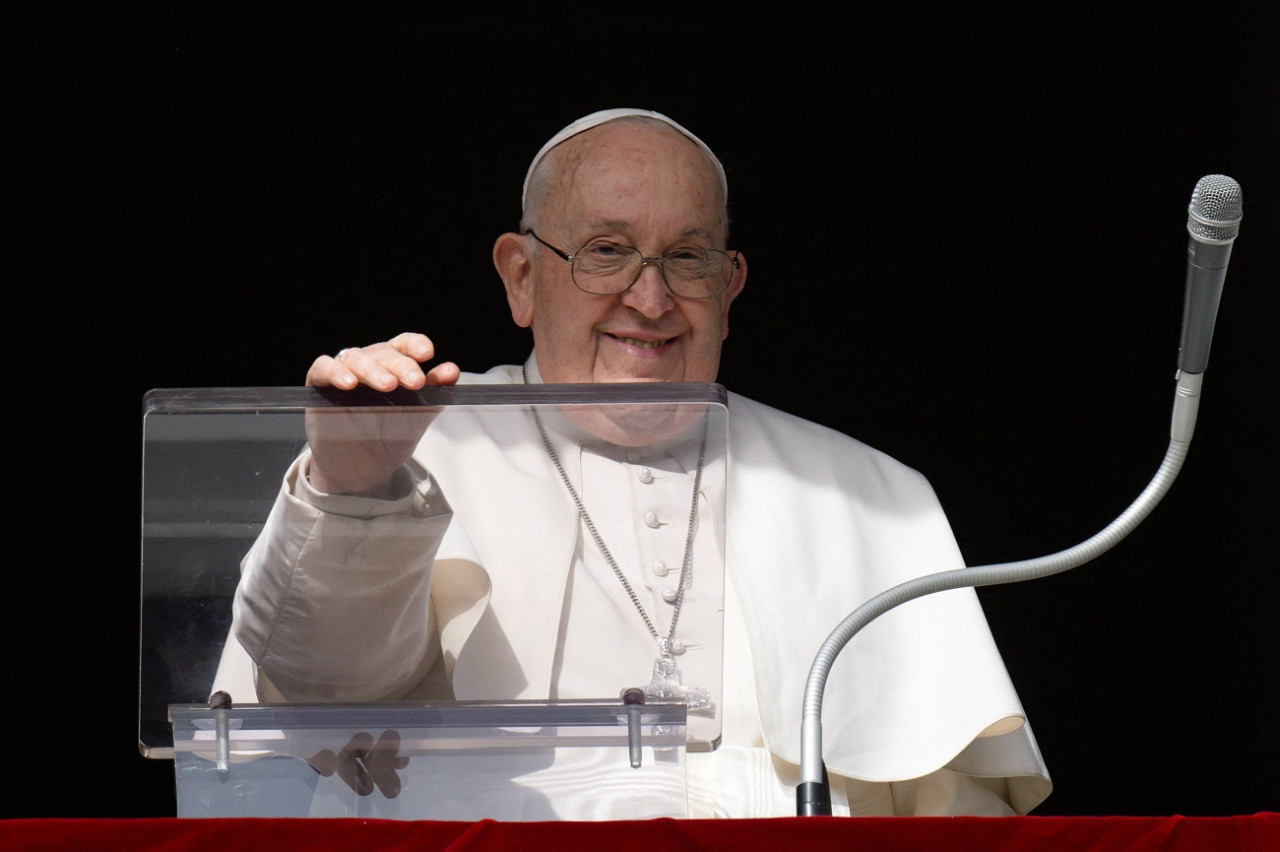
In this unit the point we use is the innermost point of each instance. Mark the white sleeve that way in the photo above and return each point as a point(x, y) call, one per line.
point(334, 596)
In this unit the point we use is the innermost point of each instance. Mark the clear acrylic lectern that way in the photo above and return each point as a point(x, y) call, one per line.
point(524, 622)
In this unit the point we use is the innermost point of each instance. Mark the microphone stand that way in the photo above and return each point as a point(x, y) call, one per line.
point(1213, 223)
point(813, 794)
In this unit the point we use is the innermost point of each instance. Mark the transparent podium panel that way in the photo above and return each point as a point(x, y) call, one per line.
point(485, 544)
point(515, 762)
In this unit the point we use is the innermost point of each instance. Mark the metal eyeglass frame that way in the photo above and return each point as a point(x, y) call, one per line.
point(645, 260)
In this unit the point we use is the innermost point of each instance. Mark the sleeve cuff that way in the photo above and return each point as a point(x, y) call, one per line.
point(418, 495)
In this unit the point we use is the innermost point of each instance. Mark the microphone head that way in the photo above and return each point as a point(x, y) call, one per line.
point(1215, 211)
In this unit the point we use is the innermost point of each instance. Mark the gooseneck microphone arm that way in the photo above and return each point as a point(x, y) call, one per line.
point(1214, 222)
point(812, 797)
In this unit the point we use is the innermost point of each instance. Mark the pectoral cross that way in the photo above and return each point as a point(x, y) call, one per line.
point(666, 686)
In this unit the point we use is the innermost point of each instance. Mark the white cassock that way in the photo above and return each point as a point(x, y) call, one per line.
point(919, 714)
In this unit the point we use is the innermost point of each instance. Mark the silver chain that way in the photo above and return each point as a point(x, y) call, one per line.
point(686, 572)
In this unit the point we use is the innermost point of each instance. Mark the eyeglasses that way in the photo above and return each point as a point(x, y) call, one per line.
point(607, 269)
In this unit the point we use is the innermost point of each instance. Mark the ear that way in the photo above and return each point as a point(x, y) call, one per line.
point(737, 281)
point(514, 262)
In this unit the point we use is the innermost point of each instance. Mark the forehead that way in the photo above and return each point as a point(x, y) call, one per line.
point(628, 171)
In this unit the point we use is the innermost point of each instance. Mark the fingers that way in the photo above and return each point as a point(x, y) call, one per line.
point(383, 366)
point(444, 373)
point(413, 345)
point(326, 371)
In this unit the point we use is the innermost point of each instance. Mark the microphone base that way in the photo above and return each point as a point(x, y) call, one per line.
point(813, 798)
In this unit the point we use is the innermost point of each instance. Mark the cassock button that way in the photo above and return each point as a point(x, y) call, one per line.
point(660, 568)
point(651, 520)
point(669, 595)
point(645, 475)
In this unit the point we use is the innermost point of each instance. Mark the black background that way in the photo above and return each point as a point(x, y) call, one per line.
point(966, 242)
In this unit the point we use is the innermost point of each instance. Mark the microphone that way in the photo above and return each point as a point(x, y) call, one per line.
point(1213, 221)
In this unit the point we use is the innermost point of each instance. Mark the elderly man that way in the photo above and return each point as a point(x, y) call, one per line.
point(622, 272)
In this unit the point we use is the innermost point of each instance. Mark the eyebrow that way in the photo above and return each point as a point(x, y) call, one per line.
point(622, 225)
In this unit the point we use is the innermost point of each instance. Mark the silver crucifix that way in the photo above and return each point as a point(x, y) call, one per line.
point(666, 686)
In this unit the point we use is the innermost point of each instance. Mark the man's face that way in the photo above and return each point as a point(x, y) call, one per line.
point(641, 186)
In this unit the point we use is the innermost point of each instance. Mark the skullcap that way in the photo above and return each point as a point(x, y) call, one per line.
point(596, 119)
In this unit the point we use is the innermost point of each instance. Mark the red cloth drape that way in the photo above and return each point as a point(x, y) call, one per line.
point(1131, 834)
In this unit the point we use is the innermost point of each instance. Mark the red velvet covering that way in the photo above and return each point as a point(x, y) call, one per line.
point(1132, 834)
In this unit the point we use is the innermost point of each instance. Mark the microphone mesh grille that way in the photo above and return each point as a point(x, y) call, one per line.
point(1216, 208)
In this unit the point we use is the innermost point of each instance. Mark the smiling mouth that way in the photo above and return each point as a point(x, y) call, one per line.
point(641, 344)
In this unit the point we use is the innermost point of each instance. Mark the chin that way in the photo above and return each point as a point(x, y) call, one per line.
point(644, 371)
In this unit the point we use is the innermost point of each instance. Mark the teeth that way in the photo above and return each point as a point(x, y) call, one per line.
point(642, 344)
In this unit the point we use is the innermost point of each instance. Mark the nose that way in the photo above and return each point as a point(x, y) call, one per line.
point(649, 294)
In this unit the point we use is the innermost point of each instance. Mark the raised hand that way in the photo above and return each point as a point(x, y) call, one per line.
point(357, 452)
point(383, 366)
